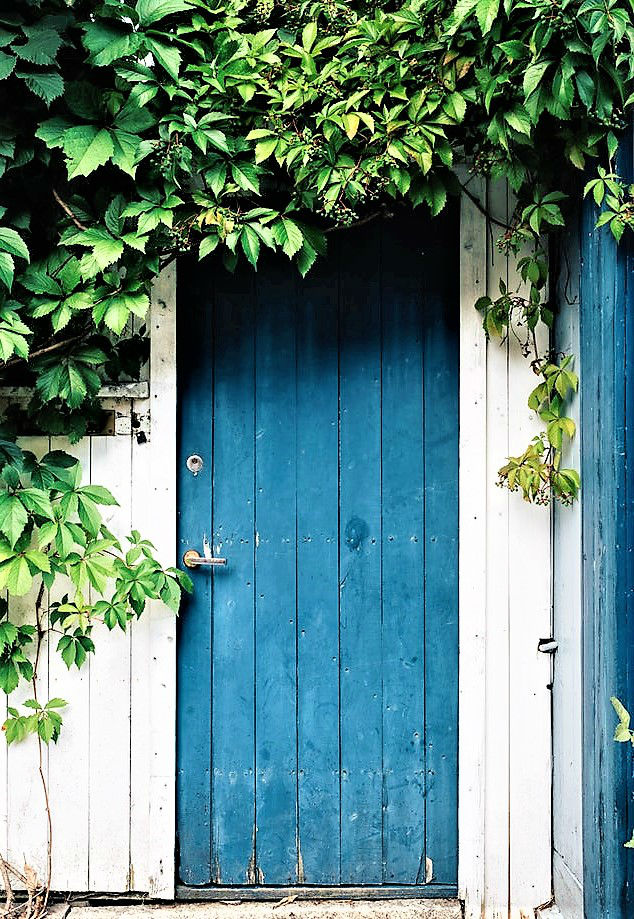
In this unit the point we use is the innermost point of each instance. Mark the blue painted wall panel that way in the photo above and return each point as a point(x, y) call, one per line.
point(607, 431)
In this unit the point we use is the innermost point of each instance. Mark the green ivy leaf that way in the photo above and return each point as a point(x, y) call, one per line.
point(12, 242)
point(288, 235)
point(9, 676)
point(250, 242)
point(47, 84)
point(16, 576)
point(13, 518)
point(7, 65)
point(41, 46)
point(151, 11)
point(167, 55)
point(108, 43)
point(486, 13)
point(534, 75)
point(86, 148)
point(7, 270)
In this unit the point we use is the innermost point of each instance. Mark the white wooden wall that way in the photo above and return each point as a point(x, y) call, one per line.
point(505, 608)
point(112, 775)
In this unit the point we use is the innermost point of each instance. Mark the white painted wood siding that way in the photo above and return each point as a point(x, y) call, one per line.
point(112, 775)
point(505, 608)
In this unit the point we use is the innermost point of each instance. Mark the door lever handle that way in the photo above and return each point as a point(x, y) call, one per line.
point(193, 559)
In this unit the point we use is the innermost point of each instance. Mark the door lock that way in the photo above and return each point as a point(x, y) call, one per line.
point(194, 463)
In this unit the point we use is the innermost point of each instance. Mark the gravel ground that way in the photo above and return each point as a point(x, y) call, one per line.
point(304, 909)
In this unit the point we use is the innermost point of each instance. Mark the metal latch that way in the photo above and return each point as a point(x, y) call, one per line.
point(547, 645)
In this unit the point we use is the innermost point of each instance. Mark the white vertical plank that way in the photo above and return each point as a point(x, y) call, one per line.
point(472, 557)
point(529, 694)
point(109, 771)
point(140, 653)
point(140, 637)
point(26, 812)
point(162, 675)
point(497, 587)
point(567, 690)
point(68, 759)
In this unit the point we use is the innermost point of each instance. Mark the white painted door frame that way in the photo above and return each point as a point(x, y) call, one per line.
point(505, 608)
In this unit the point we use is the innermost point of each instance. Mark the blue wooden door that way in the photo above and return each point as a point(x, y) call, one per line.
point(317, 672)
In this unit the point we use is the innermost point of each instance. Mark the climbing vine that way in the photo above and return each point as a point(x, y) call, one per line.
point(133, 132)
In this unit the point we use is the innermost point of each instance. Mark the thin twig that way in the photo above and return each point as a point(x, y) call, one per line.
point(49, 819)
point(359, 223)
point(7, 885)
point(67, 210)
point(482, 208)
point(47, 350)
point(17, 874)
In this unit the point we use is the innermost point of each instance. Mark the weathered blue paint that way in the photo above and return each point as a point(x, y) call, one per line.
point(194, 629)
point(403, 552)
point(327, 414)
point(318, 577)
point(607, 430)
point(441, 547)
point(233, 671)
point(360, 559)
point(275, 574)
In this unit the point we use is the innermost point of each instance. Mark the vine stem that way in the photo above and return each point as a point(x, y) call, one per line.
point(68, 211)
point(4, 871)
point(47, 350)
point(475, 200)
point(49, 820)
point(359, 223)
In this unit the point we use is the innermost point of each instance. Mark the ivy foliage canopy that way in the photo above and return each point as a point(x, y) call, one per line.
point(132, 132)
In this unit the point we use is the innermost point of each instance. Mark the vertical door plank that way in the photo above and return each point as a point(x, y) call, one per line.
point(233, 725)
point(109, 773)
point(403, 553)
point(360, 559)
point(275, 605)
point(195, 356)
point(70, 805)
point(441, 546)
point(317, 576)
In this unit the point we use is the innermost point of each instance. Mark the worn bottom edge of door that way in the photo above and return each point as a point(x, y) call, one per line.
point(421, 892)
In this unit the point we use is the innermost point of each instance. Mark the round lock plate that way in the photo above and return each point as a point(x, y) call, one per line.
point(191, 558)
point(194, 463)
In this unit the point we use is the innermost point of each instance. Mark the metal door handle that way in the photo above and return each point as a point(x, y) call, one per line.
point(193, 559)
